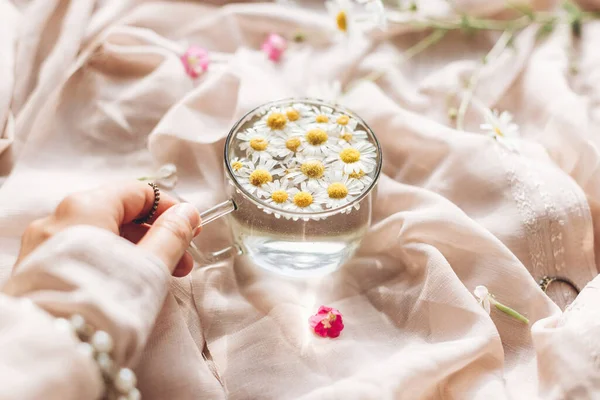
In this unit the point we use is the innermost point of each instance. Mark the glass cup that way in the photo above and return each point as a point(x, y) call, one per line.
point(296, 243)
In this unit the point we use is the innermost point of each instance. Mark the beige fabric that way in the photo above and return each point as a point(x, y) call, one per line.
point(94, 91)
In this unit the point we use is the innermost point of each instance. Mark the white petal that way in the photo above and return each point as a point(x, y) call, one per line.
point(485, 303)
point(481, 292)
point(167, 170)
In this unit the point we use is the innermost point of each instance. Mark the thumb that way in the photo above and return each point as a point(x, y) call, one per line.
point(170, 235)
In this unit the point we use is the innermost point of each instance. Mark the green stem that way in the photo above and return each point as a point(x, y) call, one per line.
point(423, 44)
point(471, 22)
point(409, 53)
point(474, 80)
point(511, 312)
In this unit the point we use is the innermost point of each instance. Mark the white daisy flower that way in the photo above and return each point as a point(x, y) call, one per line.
point(354, 17)
point(257, 145)
point(322, 117)
point(501, 128)
point(340, 189)
point(278, 194)
point(342, 123)
point(306, 199)
point(352, 137)
point(353, 159)
point(299, 114)
point(287, 147)
point(360, 177)
point(238, 165)
point(317, 142)
point(274, 121)
point(310, 171)
point(255, 178)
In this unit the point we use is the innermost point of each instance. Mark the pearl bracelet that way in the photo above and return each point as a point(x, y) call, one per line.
point(120, 382)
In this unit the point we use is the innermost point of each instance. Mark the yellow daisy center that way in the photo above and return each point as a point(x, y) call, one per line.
point(316, 136)
point(259, 177)
point(343, 120)
point(236, 165)
point(259, 143)
point(292, 114)
point(303, 199)
point(322, 118)
point(313, 169)
point(350, 155)
point(276, 121)
point(357, 175)
point(337, 190)
point(341, 21)
point(279, 196)
point(498, 131)
point(347, 136)
point(292, 144)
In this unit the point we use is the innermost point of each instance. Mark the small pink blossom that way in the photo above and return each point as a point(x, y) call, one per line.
point(327, 322)
point(195, 61)
point(274, 46)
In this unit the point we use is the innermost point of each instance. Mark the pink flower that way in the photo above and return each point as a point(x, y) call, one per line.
point(274, 46)
point(327, 322)
point(195, 61)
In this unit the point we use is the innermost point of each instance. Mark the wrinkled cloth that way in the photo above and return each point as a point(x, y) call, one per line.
point(93, 91)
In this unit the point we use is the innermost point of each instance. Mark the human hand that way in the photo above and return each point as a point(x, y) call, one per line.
point(113, 207)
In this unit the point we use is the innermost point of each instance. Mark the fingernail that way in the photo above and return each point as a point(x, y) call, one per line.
point(197, 230)
point(189, 212)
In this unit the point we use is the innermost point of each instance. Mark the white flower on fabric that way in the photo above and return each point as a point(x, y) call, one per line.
point(355, 17)
point(257, 145)
point(306, 199)
point(256, 177)
point(167, 171)
point(353, 159)
point(501, 128)
point(486, 300)
point(309, 170)
point(340, 189)
point(328, 91)
point(166, 176)
point(483, 297)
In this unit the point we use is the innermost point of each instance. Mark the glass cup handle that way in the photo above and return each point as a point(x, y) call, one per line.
point(206, 217)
